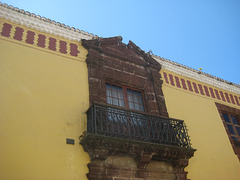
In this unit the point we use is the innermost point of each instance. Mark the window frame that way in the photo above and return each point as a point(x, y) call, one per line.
point(224, 109)
point(231, 123)
point(125, 96)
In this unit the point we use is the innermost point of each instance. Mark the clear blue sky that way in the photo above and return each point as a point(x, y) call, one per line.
point(195, 33)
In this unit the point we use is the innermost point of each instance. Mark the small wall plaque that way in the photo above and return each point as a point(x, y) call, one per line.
point(70, 141)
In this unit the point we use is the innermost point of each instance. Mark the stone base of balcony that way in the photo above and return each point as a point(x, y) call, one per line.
point(119, 158)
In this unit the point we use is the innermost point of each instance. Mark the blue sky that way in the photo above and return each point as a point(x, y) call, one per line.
point(195, 33)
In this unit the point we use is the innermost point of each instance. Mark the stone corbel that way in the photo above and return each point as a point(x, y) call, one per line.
point(143, 160)
point(98, 154)
point(179, 166)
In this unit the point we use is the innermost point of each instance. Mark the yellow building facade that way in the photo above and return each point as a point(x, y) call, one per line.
point(193, 96)
point(44, 96)
point(44, 93)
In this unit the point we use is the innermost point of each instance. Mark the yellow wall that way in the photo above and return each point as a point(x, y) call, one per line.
point(214, 158)
point(43, 99)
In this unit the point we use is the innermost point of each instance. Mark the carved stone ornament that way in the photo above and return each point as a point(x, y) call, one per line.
point(110, 60)
point(119, 158)
point(102, 147)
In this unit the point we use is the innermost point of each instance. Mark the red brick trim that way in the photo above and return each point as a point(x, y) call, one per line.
point(204, 89)
point(237, 100)
point(18, 34)
point(227, 97)
point(195, 87)
point(40, 39)
point(63, 47)
point(52, 44)
point(171, 79)
point(183, 84)
point(30, 37)
point(212, 93)
point(217, 94)
point(74, 49)
point(222, 95)
point(201, 89)
point(232, 100)
point(189, 86)
point(177, 82)
point(166, 78)
point(6, 30)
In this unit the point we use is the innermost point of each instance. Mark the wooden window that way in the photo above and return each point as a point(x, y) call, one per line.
point(231, 119)
point(115, 95)
point(124, 97)
point(232, 125)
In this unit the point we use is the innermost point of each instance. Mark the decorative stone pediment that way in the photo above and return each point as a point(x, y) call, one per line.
point(110, 60)
point(113, 47)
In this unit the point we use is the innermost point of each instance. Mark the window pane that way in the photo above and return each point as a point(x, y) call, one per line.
point(115, 88)
point(109, 100)
point(140, 100)
point(135, 100)
point(120, 95)
point(121, 103)
point(137, 107)
point(114, 95)
point(108, 86)
point(234, 119)
point(115, 102)
point(234, 138)
point(230, 128)
point(109, 92)
point(130, 97)
point(141, 108)
point(226, 117)
point(238, 130)
point(131, 106)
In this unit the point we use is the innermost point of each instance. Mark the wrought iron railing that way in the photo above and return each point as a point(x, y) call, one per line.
point(115, 122)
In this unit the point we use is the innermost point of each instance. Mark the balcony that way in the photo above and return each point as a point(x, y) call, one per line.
point(105, 120)
point(116, 132)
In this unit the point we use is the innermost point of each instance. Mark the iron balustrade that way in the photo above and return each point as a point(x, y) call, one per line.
point(116, 122)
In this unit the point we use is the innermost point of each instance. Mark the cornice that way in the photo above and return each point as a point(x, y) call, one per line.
point(42, 24)
point(197, 75)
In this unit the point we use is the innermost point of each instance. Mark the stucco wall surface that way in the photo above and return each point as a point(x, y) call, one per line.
point(44, 97)
point(214, 158)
